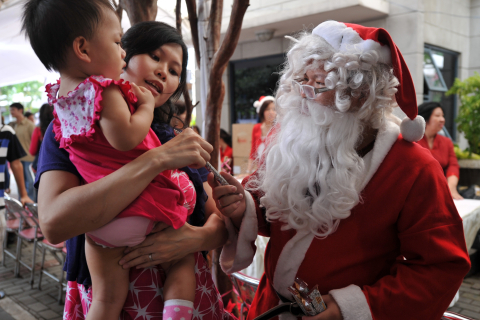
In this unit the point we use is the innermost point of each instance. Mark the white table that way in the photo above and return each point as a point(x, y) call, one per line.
point(469, 211)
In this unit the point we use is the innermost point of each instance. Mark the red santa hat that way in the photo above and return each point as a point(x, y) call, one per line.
point(258, 104)
point(354, 38)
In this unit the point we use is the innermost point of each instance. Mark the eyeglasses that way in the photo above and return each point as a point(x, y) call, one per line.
point(310, 92)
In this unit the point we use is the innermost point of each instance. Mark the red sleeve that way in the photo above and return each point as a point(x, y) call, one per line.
point(433, 257)
point(36, 138)
point(228, 152)
point(263, 225)
point(256, 139)
point(453, 169)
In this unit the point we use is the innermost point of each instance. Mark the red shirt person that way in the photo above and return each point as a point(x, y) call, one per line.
point(441, 147)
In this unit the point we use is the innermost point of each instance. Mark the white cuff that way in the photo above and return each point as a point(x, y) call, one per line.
point(352, 303)
point(238, 252)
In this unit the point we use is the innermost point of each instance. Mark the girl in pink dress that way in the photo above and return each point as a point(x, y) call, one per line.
point(104, 123)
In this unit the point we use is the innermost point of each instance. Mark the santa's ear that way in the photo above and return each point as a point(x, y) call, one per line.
point(81, 49)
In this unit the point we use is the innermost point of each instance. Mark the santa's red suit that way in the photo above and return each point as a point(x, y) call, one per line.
point(400, 254)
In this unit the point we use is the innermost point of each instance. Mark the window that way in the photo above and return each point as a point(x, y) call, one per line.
point(439, 71)
point(249, 80)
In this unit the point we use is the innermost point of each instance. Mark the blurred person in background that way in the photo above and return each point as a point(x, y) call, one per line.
point(197, 130)
point(179, 119)
point(226, 152)
point(30, 116)
point(266, 111)
point(440, 146)
point(24, 130)
point(46, 116)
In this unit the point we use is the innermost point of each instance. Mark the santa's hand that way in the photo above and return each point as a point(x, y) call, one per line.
point(332, 312)
point(230, 199)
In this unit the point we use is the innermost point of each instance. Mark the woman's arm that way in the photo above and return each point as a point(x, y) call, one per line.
point(124, 130)
point(171, 244)
point(67, 209)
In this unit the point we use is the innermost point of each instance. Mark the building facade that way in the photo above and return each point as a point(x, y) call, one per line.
point(439, 39)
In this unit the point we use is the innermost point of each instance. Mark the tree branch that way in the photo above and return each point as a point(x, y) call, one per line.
point(192, 18)
point(140, 10)
point(217, 88)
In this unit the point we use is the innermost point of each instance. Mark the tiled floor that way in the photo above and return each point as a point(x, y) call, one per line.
point(42, 304)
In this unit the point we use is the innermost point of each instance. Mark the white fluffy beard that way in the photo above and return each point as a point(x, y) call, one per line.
point(311, 173)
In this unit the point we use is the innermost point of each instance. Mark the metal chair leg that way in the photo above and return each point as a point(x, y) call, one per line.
point(32, 276)
point(41, 268)
point(18, 257)
point(60, 284)
point(4, 246)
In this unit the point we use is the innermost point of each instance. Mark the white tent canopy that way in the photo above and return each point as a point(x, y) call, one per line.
point(18, 62)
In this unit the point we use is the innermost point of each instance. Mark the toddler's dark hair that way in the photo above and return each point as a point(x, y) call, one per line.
point(52, 25)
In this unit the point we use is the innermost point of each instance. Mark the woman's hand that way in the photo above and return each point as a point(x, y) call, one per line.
point(186, 149)
point(230, 199)
point(452, 185)
point(332, 312)
point(164, 244)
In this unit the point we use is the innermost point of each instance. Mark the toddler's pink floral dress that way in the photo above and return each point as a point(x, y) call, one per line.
point(169, 198)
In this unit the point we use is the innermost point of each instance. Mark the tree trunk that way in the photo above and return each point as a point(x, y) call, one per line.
point(186, 95)
point(140, 10)
point(216, 94)
point(217, 87)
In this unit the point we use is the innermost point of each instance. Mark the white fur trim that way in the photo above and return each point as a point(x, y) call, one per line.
point(352, 303)
point(345, 39)
point(413, 130)
point(257, 104)
point(386, 137)
point(238, 252)
point(290, 260)
point(294, 251)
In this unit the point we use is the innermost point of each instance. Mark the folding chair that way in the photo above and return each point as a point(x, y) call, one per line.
point(29, 231)
point(454, 316)
point(12, 224)
point(245, 288)
point(54, 249)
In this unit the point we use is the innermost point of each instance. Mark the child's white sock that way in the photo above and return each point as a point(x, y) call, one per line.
point(177, 309)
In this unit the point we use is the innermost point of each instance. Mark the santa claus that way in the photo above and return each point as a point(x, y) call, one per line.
point(349, 201)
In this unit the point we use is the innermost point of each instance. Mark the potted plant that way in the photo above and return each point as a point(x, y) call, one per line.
point(468, 120)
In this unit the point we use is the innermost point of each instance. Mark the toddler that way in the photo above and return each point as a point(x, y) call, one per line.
point(103, 123)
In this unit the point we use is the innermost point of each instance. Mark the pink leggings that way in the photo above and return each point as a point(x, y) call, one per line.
point(122, 232)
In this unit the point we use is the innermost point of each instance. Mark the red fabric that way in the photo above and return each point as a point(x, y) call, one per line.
point(444, 153)
point(406, 212)
point(256, 140)
point(95, 158)
point(227, 153)
point(36, 140)
point(145, 296)
point(405, 96)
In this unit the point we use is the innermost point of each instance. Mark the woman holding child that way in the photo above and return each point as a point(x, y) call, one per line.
point(156, 59)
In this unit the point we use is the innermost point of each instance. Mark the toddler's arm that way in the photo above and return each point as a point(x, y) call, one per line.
point(123, 130)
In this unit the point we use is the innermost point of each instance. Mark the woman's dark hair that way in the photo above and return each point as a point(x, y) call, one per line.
point(426, 109)
point(264, 107)
point(226, 137)
point(52, 25)
point(146, 37)
point(46, 116)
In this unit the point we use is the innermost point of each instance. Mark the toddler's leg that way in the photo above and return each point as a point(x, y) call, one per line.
point(179, 289)
point(109, 281)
